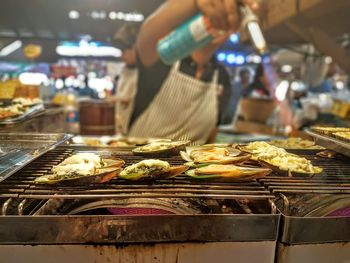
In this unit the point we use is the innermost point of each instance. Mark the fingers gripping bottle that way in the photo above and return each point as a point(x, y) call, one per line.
point(193, 34)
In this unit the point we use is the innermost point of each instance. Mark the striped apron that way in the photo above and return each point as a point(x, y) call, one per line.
point(126, 92)
point(184, 109)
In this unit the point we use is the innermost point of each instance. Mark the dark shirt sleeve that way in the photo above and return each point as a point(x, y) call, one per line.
point(150, 80)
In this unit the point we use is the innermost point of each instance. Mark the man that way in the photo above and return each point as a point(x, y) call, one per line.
point(180, 101)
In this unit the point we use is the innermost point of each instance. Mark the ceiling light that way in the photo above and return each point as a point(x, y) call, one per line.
point(69, 81)
point(73, 14)
point(328, 60)
point(221, 56)
point(30, 78)
point(281, 90)
point(113, 15)
point(120, 15)
point(231, 59)
point(340, 85)
point(103, 15)
point(95, 15)
point(129, 17)
point(88, 51)
point(139, 17)
point(297, 86)
point(12, 47)
point(286, 68)
point(240, 59)
point(234, 38)
point(59, 84)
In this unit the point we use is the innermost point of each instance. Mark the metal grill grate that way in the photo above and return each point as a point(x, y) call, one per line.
point(21, 185)
point(335, 179)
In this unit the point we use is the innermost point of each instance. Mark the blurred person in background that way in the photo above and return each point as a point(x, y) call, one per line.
point(180, 101)
point(126, 88)
point(259, 86)
point(327, 85)
point(236, 93)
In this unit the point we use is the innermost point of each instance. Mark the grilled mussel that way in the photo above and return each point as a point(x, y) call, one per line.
point(228, 172)
point(202, 156)
point(280, 160)
point(151, 169)
point(82, 169)
point(161, 148)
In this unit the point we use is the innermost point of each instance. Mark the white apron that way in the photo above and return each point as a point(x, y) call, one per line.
point(126, 92)
point(184, 109)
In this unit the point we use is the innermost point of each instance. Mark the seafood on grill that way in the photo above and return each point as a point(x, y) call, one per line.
point(82, 168)
point(279, 159)
point(329, 130)
point(296, 144)
point(161, 147)
point(202, 156)
point(151, 169)
point(228, 172)
point(11, 111)
point(27, 102)
point(343, 136)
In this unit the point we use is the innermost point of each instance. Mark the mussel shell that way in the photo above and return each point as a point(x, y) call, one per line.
point(281, 172)
point(276, 169)
point(233, 151)
point(104, 174)
point(240, 158)
point(101, 176)
point(260, 172)
point(174, 149)
point(241, 147)
point(113, 163)
point(172, 172)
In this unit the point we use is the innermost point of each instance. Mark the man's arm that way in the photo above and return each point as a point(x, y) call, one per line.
point(223, 15)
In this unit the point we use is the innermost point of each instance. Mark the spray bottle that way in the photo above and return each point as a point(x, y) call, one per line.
point(195, 34)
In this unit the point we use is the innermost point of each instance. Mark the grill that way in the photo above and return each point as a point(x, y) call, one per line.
point(204, 211)
point(20, 187)
point(298, 196)
point(309, 230)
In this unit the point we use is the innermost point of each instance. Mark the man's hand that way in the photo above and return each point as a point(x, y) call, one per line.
point(224, 14)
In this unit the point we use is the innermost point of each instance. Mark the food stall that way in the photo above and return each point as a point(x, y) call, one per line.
point(170, 219)
point(98, 196)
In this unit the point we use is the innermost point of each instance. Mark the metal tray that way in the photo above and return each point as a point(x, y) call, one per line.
point(32, 111)
point(19, 149)
point(331, 143)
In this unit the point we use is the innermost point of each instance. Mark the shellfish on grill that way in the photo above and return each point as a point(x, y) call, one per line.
point(82, 169)
point(151, 169)
point(161, 148)
point(280, 160)
point(201, 156)
point(228, 172)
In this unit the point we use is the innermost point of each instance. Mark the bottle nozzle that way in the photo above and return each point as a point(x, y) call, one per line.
point(251, 23)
